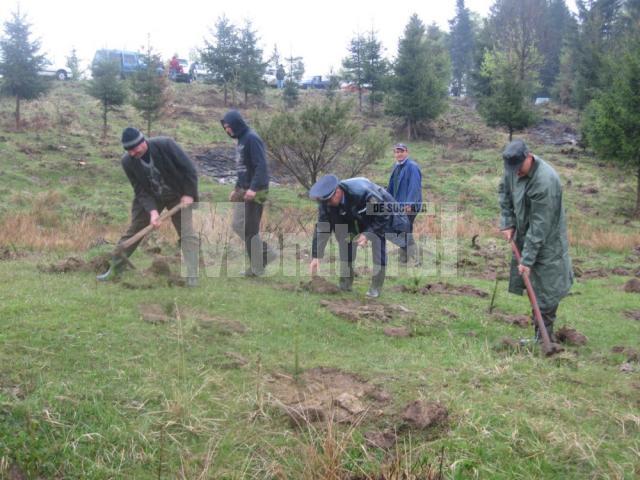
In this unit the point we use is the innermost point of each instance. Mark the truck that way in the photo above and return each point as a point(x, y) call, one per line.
point(315, 82)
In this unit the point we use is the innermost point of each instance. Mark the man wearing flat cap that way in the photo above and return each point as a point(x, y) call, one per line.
point(532, 213)
point(405, 185)
point(162, 176)
point(354, 210)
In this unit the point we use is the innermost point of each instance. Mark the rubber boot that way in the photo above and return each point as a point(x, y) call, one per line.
point(377, 281)
point(115, 269)
point(191, 263)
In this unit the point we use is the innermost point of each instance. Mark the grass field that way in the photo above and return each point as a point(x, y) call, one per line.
point(113, 381)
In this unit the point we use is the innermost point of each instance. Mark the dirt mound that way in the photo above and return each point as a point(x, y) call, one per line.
point(159, 267)
point(385, 439)
point(570, 336)
point(322, 394)
point(204, 320)
point(632, 286)
point(591, 273)
point(315, 285)
point(626, 272)
point(632, 354)
point(356, 311)
point(446, 289)
point(75, 264)
point(633, 314)
point(400, 332)
point(421, 415)
point(522, 321)
point(155, 314)
point(507, 344)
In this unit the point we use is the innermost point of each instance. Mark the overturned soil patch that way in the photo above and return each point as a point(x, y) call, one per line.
point(356, 311)
point(7, 253)
point(204, 320)
point(384, 440)
point(446, 289)
point(522, 321)
point(326, 394)
point(632, 286)
point(399, 332)
point(632, 354)
point(154, 314)
point(74, 264)
point(421, 415)
point(633, 314)
point(553, 132)
point(570, 336)
point(315, 285)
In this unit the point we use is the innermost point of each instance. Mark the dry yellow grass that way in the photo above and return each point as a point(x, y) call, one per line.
point(600, 240)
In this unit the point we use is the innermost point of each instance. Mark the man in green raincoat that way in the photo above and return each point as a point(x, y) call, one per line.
point(532, 214)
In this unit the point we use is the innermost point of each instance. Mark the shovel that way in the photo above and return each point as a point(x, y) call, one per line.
point(119, 250)
point(548, 347)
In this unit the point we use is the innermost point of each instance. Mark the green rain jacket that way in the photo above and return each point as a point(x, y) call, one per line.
point(533, 206)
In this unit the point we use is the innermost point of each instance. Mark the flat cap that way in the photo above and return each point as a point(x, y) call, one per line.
point(324, 188)
point(514, 155)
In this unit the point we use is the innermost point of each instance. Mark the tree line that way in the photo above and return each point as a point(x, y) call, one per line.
point(523, 49)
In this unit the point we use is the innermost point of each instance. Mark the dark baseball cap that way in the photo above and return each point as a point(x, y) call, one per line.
point(400, 146)
point(514, 155)
point(324, 188)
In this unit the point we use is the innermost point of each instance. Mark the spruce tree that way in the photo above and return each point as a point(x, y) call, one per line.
point(73, 63)
point(20, 62)
point(107, 87)
point(419, 89)
point(461, 44)
point(221, 56)
point(376, 70)
point(149, 87)
point(251, 68)
point(353, 66)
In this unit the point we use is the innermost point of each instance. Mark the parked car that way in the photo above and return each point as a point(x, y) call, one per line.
point(199, 72)
point(129, 62)
point(269, 78)
point(56, 71)
point(314, 82)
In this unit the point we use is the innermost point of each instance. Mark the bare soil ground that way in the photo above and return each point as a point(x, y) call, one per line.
point(358, 311)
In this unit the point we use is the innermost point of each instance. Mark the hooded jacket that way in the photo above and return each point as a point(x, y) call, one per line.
point(174, 165)
point(359, 192)
point(251, 160)
point(533, 206)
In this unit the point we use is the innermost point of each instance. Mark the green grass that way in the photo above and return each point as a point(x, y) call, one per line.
point(90, 390)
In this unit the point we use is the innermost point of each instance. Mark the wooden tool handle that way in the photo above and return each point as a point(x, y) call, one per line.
point(130, 241)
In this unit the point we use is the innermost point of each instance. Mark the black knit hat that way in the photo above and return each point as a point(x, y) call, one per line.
point(131, 138)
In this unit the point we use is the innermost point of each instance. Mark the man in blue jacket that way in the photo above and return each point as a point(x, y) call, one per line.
point(405, 185)
point(251, 190)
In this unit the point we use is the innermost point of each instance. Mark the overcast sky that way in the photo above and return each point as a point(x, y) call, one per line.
point(319, 31)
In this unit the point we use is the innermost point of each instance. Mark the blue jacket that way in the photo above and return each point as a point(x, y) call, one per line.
point(253, 172)
point(409, 182)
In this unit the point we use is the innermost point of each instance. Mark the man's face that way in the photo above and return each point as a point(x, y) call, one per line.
point(336, 198)
point(525, 168)
point(400, 154)
point(227, 128)
point(139, 150)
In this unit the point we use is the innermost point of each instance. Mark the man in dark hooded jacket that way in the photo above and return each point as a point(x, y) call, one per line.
point(533, 215)
point(355, 209)
point(250, 191)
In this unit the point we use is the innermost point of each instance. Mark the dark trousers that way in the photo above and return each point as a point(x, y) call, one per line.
point(182, 222)
point(246, 224)
point(548, 318)
point(348, 251)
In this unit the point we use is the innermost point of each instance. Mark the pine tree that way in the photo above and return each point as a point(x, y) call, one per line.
point(376, 70)
point(251, 68)
point(73, 63)
point(419, 89)
point(295, 70)
point(353, 66)
point(107, 87)
point(611, 122)
point(149, 87)
point(221, 56)
point(461, 44)
point(508, 102)
point(20, 63)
